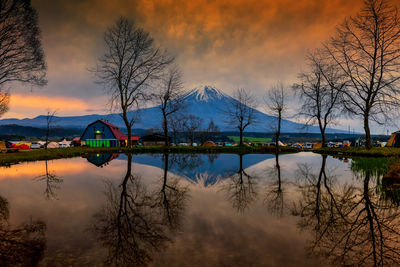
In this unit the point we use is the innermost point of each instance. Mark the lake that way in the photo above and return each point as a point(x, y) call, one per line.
point(299, 209)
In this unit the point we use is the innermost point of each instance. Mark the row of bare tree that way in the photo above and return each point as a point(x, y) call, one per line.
point(355, 74)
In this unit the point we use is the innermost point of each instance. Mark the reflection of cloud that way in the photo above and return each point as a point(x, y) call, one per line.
point(34, 169)
point(205, 180)
point(215, 235)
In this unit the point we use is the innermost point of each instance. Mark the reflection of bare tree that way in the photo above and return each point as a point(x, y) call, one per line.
point(185, 161)
point(274, 198)
point(241, 188)
point(135, 223)
point(22, 246)
point(212, 157)
point(52, 182)
point(351, 225)
point(171, 197)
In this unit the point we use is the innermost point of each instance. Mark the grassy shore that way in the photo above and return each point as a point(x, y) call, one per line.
point(360, 151)
point(57, 153)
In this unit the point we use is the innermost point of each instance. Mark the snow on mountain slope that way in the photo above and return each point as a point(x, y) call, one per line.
point(206, 102)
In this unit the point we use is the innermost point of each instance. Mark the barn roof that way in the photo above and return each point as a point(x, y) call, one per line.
point(114, 129)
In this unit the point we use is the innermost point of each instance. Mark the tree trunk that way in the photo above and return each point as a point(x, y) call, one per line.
point(278, 132)
point(129, 128)
point(174, 133)
point(241, 137)
point(47, 137)
point(166, 163)
point(278, 169)
point(129, 136)
point(368, 143)
point(165, 122)
point(323, 135)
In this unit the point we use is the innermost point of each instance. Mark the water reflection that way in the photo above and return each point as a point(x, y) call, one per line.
point(23, 245)
point(351, 223)
point(135, 222)
point(241, 189)
point(206, 168)
point(148, 209)
point(101, 160)
point(52, 182)
point(274, 191)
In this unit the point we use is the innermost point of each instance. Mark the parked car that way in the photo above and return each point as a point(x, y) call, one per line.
point(308, 146)
point(35, 146)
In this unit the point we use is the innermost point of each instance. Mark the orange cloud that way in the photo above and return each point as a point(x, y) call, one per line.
point(230, 44)
point(31, 105)
point(42, 102)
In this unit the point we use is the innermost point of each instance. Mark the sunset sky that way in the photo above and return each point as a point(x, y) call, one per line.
point(230, 44)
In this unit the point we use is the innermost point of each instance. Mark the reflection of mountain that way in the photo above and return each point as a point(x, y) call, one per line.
point(101, 159)
point(197, 166)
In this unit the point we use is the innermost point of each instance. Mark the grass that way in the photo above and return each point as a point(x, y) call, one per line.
point(250, 139)
point(57, 153)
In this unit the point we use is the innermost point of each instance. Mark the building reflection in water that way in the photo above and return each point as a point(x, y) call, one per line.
point(101, 160)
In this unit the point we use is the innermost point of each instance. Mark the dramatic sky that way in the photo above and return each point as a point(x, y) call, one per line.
point(230, 44)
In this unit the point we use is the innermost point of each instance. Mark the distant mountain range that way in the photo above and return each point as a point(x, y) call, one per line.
point(205, 102)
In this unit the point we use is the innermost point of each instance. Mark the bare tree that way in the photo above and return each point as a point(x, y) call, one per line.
point(275, 192)
point(276, 100)
point(366, 49)
point(21, 53)
point(4, 102)
point(136, 222)
point(52, 182)
point(351, 224)
point(241, 189)
point(191, 125)
point(176, 124)
point(49, 123)
point(207, 133)
point(241, 111)
point(320, 91)
point(131, 62)
point(168, 97)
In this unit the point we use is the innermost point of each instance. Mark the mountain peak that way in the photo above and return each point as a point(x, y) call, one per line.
point(206, 93)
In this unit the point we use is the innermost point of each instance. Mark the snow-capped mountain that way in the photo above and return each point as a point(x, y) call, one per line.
point(205, 94)
point(206, 102)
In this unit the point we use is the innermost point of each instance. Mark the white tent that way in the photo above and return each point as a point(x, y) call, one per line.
point(281, 144)
point(41, 143)
point(52, 145)
point(64, 143)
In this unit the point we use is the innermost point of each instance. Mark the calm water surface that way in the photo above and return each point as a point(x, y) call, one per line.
point(199, 210)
